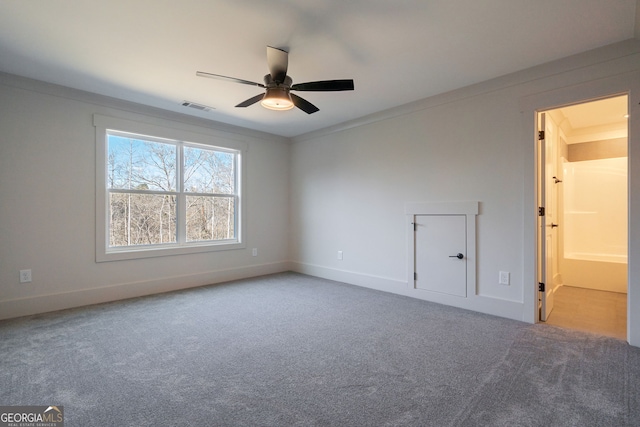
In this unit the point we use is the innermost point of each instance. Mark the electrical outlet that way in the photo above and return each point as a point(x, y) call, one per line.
point(254, 252)
point(504, 278)
point(340, 255)
point(25, 276)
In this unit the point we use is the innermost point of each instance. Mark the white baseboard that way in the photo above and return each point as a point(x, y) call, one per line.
point(63, 300)
point(494, 306)
point(353, 278)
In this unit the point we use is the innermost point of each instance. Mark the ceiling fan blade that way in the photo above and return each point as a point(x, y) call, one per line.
point(229, 79)
point(325, 86)
point(278, 62)
point(303, 104)
point(251, 100)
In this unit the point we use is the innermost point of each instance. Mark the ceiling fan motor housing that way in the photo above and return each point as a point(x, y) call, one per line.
point(269, 82)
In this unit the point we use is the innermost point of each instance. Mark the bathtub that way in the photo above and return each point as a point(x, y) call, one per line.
point(594, 227)
point(604, 272)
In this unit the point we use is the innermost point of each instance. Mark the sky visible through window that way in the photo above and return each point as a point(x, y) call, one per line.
point(144, 181)
point(150, 165)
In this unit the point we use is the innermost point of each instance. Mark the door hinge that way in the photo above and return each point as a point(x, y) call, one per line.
point(415, 226)
point(541, 287)
point(541, 211)
point(540, 135)
point(415, 276)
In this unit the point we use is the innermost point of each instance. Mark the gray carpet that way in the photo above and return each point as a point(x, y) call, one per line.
point(293, 350)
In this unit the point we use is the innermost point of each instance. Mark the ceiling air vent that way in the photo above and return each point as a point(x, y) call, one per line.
point(196, 106)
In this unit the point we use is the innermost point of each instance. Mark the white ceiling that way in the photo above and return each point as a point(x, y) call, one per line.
point(400, 51)
point(610, 111)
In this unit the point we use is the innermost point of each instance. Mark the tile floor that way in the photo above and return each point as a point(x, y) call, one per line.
point(599, 312)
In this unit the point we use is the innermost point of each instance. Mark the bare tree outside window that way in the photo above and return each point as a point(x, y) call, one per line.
point(209, 181)
point(145, 191)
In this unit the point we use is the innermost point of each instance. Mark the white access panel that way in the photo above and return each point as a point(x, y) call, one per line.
point(441, 253)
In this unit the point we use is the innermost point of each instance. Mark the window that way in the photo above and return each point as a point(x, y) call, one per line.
point(164, 196)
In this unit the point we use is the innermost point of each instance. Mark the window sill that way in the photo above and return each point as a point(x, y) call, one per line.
point(159, 251)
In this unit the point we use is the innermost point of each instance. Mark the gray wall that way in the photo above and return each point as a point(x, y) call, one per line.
point(47, 204)
point(350, 183)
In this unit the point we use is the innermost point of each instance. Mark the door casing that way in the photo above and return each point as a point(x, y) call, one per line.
point(627, 83)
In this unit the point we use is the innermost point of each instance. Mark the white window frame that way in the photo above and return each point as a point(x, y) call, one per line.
point(104, 124)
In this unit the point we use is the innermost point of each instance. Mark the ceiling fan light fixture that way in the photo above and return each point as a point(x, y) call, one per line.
point(277, 98)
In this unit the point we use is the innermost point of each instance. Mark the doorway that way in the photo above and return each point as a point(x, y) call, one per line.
point(582, 234)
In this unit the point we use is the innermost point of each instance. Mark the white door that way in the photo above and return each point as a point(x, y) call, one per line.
point(546, 242)
point(440, 254)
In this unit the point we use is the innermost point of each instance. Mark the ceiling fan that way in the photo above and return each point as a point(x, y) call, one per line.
point(278, 85)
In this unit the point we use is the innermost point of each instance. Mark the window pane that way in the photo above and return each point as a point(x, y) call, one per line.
point(141, 219)
point(208, 171)
point(210, 218)
point(136, 164)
